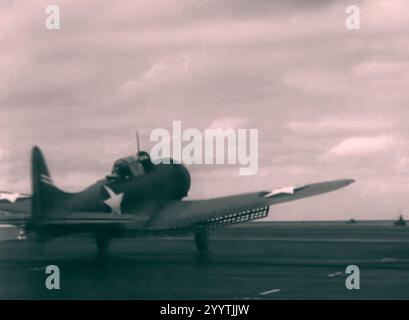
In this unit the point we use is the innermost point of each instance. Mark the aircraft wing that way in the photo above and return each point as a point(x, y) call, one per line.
point(13, 202)
point(14, 208)
point(186, 216)
point(211, 213)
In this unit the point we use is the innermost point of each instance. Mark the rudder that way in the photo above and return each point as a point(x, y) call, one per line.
point(44, 191)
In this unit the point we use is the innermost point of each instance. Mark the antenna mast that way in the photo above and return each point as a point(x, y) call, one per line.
point(137, 142)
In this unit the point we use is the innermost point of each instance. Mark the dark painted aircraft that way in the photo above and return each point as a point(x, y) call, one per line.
point(137, 197)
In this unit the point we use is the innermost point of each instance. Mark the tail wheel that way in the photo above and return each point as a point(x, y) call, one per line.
point(202, 241)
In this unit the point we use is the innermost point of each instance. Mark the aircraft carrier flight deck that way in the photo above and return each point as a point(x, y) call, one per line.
point(262, 260)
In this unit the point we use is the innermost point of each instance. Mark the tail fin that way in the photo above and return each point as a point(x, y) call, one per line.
point(45, 193)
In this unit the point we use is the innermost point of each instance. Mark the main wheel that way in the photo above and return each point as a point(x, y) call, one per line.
point(202, 241)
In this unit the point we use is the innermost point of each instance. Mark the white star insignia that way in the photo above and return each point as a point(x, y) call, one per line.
point(284, 190)
point(11, 197)
point(114, 201)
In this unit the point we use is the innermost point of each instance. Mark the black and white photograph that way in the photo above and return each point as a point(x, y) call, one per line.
point(203, 150)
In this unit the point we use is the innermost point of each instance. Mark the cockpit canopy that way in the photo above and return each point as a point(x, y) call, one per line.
point(132, 166)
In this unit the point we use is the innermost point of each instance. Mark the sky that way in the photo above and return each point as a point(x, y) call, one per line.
point(328, 102)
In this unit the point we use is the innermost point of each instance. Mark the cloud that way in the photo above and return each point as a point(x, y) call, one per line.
point(337, 125)
point(362, 146)
point(319, 83)
point(289, 69)
point(379, 68)
point(228, 123)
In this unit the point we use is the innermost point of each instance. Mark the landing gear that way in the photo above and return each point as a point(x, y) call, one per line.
point(202, 241)
point(103, 245)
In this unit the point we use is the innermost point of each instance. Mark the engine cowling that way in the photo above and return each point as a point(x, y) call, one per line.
point(182, 183)
point(178, 179)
